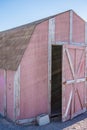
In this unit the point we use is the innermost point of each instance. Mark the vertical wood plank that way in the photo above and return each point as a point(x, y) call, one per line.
point(86, 65)
point(80, 61)
point(70, 63)
point(51, 40)
point(71, 26)
point(63, 85)
point(5, 93)
point(86, 77)
point(17, 93)
point(68, 105)
point(86, 33)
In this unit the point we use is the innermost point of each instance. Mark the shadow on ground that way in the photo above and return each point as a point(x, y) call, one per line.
point(78, 123)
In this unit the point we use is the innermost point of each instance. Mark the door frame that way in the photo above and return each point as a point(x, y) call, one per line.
point(49, 73)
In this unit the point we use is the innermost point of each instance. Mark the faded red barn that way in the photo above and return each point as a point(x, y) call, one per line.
point(43, 68)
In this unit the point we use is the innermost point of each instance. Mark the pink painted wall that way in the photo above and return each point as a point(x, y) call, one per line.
point(2, 88)
point(62, 27)
point(34, 75)
point(10, 94)
point(78, 29)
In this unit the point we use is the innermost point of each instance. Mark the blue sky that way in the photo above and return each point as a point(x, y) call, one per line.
point(18, 12)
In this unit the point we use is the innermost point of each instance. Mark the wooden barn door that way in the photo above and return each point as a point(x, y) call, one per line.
point(73, 81)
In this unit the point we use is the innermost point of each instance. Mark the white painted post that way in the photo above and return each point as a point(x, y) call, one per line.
point(17, 93)
point(51, 40)
point(5, 93)
point(86, 64)
point(86, 77)
point(71, 26)
point(86, 33)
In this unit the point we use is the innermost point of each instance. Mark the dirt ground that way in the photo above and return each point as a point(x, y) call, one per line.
point(78, 123)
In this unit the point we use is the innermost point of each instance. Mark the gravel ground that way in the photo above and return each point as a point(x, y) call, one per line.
point(78, 123)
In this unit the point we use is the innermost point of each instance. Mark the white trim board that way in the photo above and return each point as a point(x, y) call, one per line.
point(71, 26)
point(17, 93)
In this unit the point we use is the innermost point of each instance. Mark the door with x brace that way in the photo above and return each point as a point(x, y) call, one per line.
point(73, 81)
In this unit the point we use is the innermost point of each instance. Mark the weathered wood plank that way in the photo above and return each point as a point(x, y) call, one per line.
point(17, 93)
point(85, 98)
point(81, 59)
point(71, 26)
point(70, 62)
point(5, 93)
point(68, 105)
point(73, 81)
point(86, 33)
point(26, 121)
point(79, 98)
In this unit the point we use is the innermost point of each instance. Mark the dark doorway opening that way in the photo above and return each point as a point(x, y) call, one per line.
point(56, 84)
